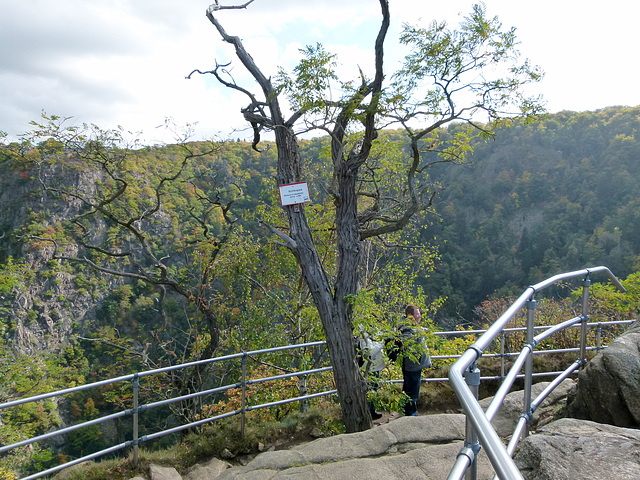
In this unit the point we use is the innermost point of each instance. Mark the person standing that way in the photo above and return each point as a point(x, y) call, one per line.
point(414, 357)
point(371, 357)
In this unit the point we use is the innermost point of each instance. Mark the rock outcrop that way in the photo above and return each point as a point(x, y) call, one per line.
point(52, 305)
point(570, 449)
point(608, 388)
point(425, 447)
point(507, 417)
point(407, 448)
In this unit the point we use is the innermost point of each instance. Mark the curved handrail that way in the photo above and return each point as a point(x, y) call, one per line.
point(500, 458)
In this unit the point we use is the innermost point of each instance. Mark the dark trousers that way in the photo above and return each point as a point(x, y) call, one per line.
point(411, 386)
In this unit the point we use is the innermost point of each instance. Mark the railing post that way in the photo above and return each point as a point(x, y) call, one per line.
point(472, 379)
point(302, 391)
point(528, 368)
point(136, 388)
point(244, 392)
point(585, 318)
point(599, 337)
point(502, 354)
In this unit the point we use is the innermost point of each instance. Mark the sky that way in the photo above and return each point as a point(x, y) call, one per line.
point(124, 62)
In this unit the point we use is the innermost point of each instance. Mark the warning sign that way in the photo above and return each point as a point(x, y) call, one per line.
point(293, 193)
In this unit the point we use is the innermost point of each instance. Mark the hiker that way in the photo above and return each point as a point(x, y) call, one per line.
point(415, 357)
point(370, 355)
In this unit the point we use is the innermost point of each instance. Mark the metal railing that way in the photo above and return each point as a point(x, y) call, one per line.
point(465, 380)
point(137, 409)
point(503, 355)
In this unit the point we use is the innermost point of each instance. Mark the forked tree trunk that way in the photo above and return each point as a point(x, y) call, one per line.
point(332, 306)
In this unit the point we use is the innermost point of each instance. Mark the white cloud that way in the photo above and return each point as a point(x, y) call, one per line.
point(124, 61)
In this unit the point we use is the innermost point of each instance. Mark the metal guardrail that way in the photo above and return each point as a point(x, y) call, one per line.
point(465, 380)
point(137, 409)
point(244, 382)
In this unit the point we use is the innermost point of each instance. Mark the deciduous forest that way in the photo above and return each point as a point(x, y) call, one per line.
point(116, 256)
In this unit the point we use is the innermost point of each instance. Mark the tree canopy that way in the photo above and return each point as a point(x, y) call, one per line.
point(448, 76)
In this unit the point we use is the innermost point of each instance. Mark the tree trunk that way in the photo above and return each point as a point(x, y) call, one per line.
point(333, 308)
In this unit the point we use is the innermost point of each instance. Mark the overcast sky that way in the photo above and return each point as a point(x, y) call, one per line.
point(124, 62)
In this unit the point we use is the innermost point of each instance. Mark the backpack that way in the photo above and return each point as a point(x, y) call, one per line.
point(392, 346)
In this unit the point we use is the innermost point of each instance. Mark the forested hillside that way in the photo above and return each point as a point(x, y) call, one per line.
point(116, 257)
point(539, 199)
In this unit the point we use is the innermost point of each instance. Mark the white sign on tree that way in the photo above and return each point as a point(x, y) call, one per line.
point(293, 193)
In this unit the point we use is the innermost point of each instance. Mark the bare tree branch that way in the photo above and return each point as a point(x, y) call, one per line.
point(215, 6)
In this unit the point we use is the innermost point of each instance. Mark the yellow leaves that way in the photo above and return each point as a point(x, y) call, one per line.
point(260, 393)
point(49, 231)
point(6, 474)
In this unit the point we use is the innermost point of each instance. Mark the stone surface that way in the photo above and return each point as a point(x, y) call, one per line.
point(507, 417)
point(163, 473)
point(425, 447)
point(209, 470)
point(407, 448)
point(608, 388)
point(571, 449)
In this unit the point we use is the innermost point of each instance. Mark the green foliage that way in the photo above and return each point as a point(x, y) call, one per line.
point(11, 275)
point(27, 375)
point(611, 304)
point(261, 393)
point(443, 64)
point(606, 304)
point(313, 77)
point(452, 346)
point(541, 199)
point(13, 279)
point(88, 439)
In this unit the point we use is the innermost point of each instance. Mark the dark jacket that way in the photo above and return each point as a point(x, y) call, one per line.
point(415, 351)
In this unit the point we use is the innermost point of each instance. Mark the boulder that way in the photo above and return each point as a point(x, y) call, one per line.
point(207, 471)
point(608, 388)
point(163, 473)
point(571, 449)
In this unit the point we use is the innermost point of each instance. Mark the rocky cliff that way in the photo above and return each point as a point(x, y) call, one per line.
point(53, 300)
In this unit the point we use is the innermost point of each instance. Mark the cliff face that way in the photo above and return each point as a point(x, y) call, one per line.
point(53, 300)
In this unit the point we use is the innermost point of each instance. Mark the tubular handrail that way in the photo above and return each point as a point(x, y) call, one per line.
point(469, 454)
point(522, 329)
point(138, 409)
point(146, 373)
point(479, 420)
